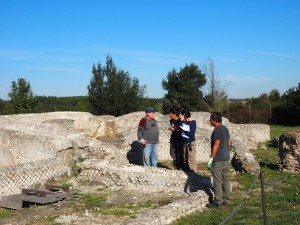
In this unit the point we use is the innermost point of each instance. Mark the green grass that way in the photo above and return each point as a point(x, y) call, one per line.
point(130, 210)
point(92, 201)
point(5, 212)
point(282, 194)
point(51, 221)
point(277, 130)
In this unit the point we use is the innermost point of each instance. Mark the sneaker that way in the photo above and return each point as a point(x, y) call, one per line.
point(213, 205)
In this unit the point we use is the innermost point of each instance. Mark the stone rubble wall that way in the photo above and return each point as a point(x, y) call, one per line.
point(248, 135)
point(198, 188)
point(30, 175)
point(289, 152)
point(129, 175)
point(169, 213)
point(243, 160)
point(28, 139)
point(202, 144)
point(59, 129)
point(24, 147)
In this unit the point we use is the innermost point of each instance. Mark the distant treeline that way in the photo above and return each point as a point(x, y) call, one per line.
point(267, 108)
point(74, 103)
point(255, 110)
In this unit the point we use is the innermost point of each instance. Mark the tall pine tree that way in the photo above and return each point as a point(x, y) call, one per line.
point(183, 89)
point(112, 91)
point(21, 97)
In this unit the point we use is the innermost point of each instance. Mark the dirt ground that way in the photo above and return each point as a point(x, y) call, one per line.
point(95, 204)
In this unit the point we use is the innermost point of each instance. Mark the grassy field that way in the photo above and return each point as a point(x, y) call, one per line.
point(282, 194)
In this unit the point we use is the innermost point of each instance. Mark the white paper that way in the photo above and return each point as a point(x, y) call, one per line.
point(184, 135)
point(185, 127)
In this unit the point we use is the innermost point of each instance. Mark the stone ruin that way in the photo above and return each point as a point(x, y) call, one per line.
point(289, 152)
point(36, 148)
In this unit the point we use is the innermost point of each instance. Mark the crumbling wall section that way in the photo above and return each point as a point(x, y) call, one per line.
point(30, 175)
point(129, 175)
point(289, 152)
point(171, 212)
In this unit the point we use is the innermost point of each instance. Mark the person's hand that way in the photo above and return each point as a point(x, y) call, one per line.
point(209, 164)
point(143, 141)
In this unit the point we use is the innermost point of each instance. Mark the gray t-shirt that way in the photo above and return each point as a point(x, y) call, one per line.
point(221, 133)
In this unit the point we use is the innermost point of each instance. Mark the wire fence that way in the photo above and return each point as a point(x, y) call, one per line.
point(248, 193)
point(248, 114)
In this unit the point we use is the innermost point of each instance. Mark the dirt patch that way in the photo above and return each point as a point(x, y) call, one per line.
point(96, 204)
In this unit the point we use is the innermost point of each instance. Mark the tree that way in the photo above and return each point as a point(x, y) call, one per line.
point(291, 106)
point(292, 98)
point(274, 96)
point(183, 89)
point(3, 107)
point(215, 96)
point(112, 91)
point(53, 103)
point(21, 97)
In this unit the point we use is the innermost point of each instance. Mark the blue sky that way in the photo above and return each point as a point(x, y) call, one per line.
point(53, 44)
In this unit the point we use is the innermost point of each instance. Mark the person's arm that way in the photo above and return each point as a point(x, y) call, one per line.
point(192, 131)
point(140, 130)
point(215, 148)
point(229, 144)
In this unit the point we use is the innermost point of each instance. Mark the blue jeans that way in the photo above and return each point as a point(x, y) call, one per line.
point(150, 155)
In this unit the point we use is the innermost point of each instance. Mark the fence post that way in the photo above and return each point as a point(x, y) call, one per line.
point(249, 113)
point(270, 114)
point(228, 113)
point(263, 196)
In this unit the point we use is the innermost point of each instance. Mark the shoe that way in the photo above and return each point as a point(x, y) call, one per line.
point(213, 205)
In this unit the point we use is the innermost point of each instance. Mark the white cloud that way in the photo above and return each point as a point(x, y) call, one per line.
point(18, 55)
point(247, 79)
point(276, 54)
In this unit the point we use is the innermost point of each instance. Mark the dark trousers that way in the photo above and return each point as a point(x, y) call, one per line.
point(176, 152)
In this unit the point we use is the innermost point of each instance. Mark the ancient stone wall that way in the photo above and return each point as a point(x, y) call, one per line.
point(150, 177)
point(173, 211)
point(35, 140)
point(30, 175)
point(289, 152)
point(247, 134)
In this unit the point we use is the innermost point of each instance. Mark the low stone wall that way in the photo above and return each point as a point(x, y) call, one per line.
point(169, 213)
point(130, 175)
point(30, 175)
point(198, 188)
point(249, 134)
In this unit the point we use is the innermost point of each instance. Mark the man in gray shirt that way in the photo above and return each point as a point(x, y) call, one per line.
point(148, 136)
point(219, 161)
